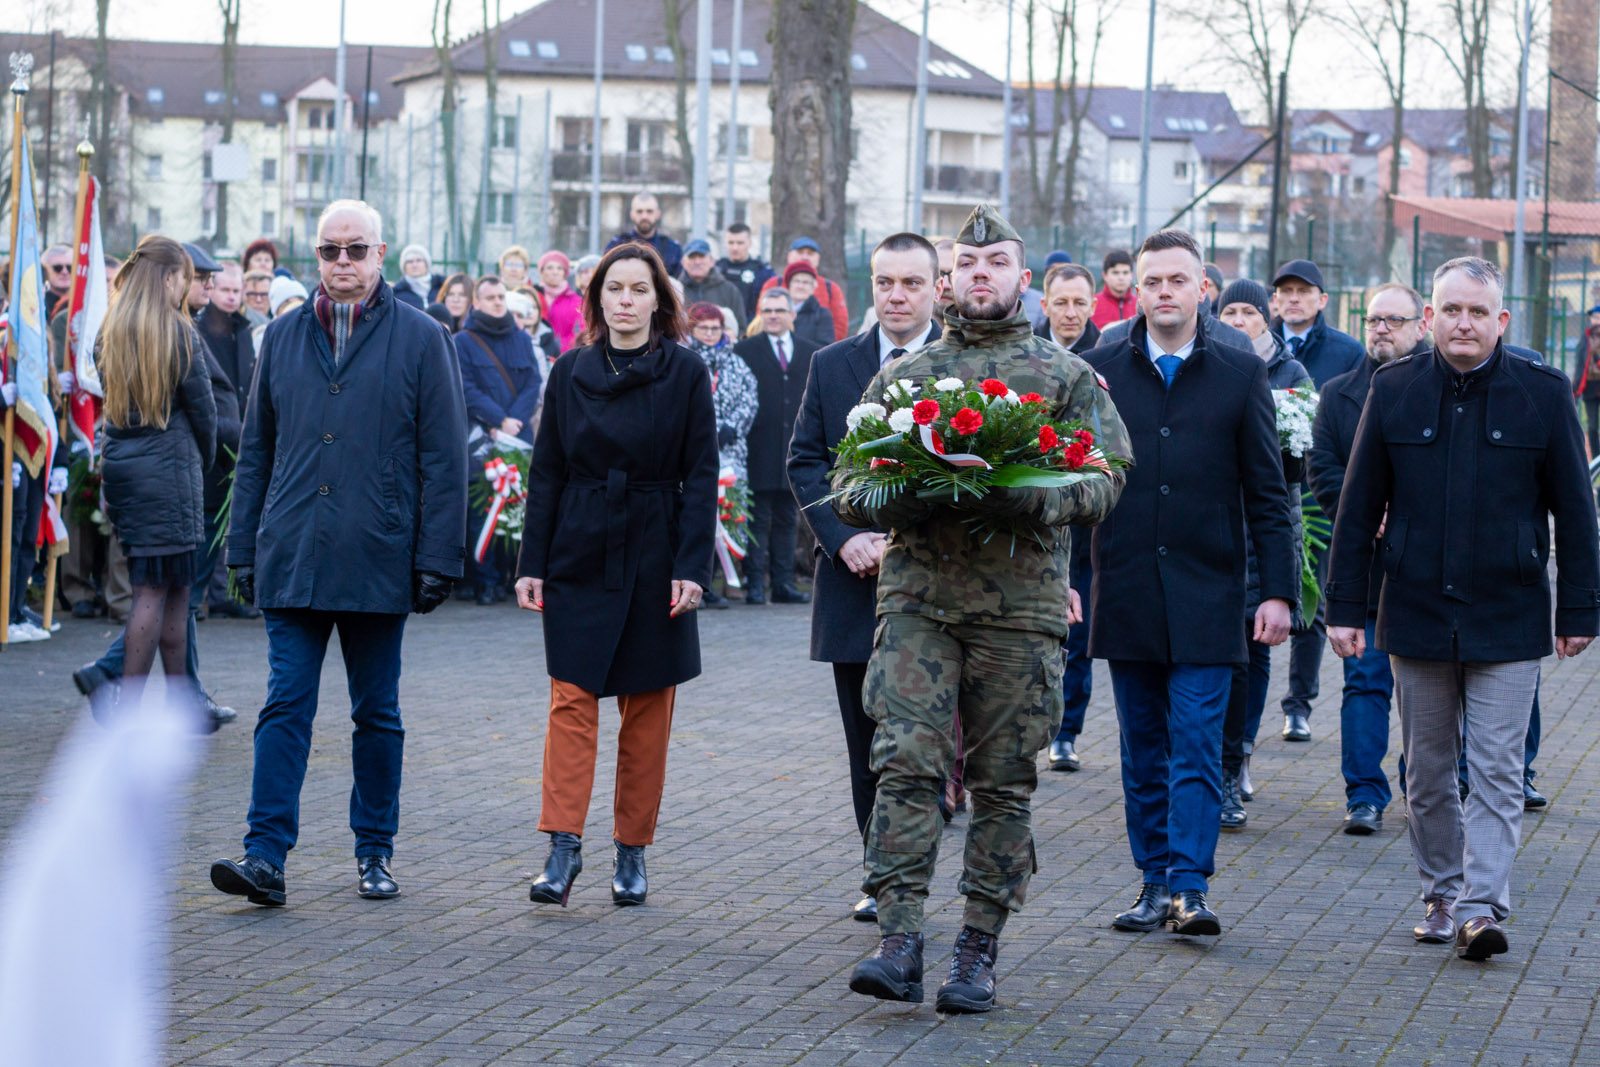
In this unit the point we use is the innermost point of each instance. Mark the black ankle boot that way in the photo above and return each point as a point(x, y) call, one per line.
point(566, 860)
point(893, 971)
point(628, 884)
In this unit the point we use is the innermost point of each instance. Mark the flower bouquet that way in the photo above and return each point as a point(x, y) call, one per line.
point(502, 497)
point(733, 524)
point(81, 504)
point(1297, 409)
point(952, 442)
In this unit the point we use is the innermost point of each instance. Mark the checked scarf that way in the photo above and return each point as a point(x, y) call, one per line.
point(339, 319)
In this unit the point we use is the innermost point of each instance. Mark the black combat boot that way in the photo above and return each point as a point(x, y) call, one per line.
point(566, 860)
point(970, 987)
point(893, 971)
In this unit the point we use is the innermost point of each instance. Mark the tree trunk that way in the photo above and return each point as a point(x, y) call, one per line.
point(491, 87)
point(447, 123)
point(811, 123)
point(105, 96)
point(1401, 12)
point(673, 11)
point(230, 52)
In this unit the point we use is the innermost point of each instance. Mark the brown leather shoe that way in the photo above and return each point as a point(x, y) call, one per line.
point(1479, 938)
point(1438, 928)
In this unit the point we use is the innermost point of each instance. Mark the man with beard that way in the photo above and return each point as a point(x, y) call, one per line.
point(1394, 329)
point(971, 627)
point(645, 214)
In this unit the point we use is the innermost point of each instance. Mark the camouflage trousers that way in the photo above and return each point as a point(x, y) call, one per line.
point(1006, 686)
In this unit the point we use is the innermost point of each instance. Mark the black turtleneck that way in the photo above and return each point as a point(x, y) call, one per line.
point(620, 359)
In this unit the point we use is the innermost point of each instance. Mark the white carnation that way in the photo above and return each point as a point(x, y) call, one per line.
point(949, 385)
point(901, 421)
point(907, 386)
point(861, 412)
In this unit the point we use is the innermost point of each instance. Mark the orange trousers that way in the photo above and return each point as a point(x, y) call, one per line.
point(571, 742)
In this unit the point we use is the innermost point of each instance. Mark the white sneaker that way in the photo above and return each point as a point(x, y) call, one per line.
point(26, 631)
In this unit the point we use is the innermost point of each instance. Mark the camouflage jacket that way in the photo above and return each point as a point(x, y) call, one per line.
point(937, 568)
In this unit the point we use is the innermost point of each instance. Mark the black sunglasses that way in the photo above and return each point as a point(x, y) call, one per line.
point(61, 268)
point(330, 253)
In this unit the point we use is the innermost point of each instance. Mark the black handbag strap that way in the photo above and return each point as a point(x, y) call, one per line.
point(501, 367)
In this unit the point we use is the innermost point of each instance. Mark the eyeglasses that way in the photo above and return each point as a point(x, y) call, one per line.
point(203, 279)
point(330, 253)
point(60, 268)
point(1394, 322)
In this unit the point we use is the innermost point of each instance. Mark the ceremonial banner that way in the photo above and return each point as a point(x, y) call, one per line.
point(85, 312)
point(35, 426)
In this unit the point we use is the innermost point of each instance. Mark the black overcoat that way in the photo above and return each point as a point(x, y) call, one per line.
point(1470, 478)
point(622, 501)
point(843, 606)
point(778, 395)
point(1333, 434)
point(351, 478)
point(1169, 561)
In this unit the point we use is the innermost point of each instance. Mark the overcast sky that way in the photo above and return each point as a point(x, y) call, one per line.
point(1328, 71)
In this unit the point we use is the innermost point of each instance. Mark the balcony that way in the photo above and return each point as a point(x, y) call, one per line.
point(655, 167)
point(962, 181)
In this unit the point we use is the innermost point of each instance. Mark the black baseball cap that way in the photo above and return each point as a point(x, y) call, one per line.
point(1303, 269)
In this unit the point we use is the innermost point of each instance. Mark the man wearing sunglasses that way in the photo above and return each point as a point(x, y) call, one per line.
point(57, 262)
point(349, 513)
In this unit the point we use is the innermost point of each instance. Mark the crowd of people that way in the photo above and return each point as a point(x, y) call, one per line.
point(309, 457)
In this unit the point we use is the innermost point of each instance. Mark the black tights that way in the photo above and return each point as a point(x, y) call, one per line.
point(159, 618)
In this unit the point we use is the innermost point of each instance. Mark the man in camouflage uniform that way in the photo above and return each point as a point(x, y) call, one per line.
point(971, 628)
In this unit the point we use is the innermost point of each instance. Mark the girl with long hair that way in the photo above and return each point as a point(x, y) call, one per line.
point(161, 435)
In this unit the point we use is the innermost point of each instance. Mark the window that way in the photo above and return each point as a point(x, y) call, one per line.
point(741, 143)
point(946, 68)
point(213, 97)
point(636, 53)
point(575, 135)
point(269, 124)
point(720, 57)
point(1117, 122)
point(154, 95)
point(1405, 157)
point(269, 99)
point(720, 220)
point(208, 220)
point(858, 61)
point(499, 211)
point(1358, 185)
point(520, 49)
point(505, 132)
point(548, 50)
point(1125, 169)
point(572, 211)
point(1181, 170)
point(662, 53)
point(152, 220)
point(269, 223)
point(1121, 215)
point(314, 118)
point(269, 170)
point(372, 98)
point(312, 167)
point(748, 58)
point(152, 167)
point(647, 136)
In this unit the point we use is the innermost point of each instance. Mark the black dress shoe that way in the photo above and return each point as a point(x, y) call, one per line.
point(85, 609)
point(1233, 813)
point(375, 883)
point(560, 869)
point(89, 678)
point(1148, 912)
point(1438, 927)
point(755, 596)
point(628, 885)
point(485, 597)
point(1532, 799)
point(1191, 914)
point(893, 971)
point(788, 594)
point(1063, 756)
point(970, 986)
point(1363, 818)
point(1247, 788)
point(714, 602)
point(866, 910)
point(1479, 938)
point(253, 878)
point(1296, 728)
point(230, 609)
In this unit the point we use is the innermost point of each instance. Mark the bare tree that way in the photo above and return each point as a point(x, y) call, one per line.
point(104, 94)
point(809, 97)
point(229, 10)
point(673, 10)
point(447, 122)
point(1255, 40)
point(1465, 46)
point(491, 84)
point(1075, 23)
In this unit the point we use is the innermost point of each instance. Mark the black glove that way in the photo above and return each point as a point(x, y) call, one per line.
point(244, 582)
point(902, 512)
point(1012, 500)
point(726, 436)
point(428, 591)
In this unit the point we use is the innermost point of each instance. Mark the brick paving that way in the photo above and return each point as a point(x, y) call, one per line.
point(742, 955)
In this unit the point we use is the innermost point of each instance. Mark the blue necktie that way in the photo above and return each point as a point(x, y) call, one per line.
point(1294, 344)
point(1169, 367)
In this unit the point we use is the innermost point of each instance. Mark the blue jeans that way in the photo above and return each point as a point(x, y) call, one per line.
point(1077, 677)
point(1170, 717)
point(297, 643)
point(1364, 725)
point(111, 662)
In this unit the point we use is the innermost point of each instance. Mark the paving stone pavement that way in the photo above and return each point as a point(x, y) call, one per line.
point(741, 956)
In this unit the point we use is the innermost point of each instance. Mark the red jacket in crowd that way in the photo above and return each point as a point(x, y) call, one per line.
point(1109, 309)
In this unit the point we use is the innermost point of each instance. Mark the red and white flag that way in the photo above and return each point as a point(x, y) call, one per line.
point(86, 310)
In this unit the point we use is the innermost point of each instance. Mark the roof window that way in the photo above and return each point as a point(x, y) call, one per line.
point(519, 48)
point(269, 99)
point(858, 61)
point(213, 96)
point(720, 57)
point(154, 95)
point(547, 50)
point(748, 58)
point(663, 54)
point(1116, 122)
point(636, 53)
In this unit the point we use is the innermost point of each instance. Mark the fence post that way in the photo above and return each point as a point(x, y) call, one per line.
point(1311, 237)
point(1213, 249)
point(1416, 252)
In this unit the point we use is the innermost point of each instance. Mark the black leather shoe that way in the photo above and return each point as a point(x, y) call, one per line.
point(85, 609)
point(970, 986)
point(714, 602)
point(560, 869)
point(866, 910)
point(230, 609)
point(1247, 788)
point(1148, 912)
point(1532, 799)
point(376, 883)
point(1296, 728)
point(1479, 938)
point(788, 594)
point(253, 878)
point(1063, 756)
point(893, 971)
point(1362, 819)
point(628, 885)
point(755, 596)
point(1191, 914)
point(1233, 813)
point(485, 597)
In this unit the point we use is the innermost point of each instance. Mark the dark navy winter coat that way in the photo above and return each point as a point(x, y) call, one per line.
point(490, 401)
point(351, 478)
point(1326, 352)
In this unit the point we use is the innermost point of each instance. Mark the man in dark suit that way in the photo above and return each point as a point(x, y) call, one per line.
point(905, 274)
point(1170, 562)
point(781, 361)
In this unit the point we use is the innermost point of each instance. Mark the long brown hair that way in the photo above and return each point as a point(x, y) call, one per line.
point(667, 320)
point(146, 343)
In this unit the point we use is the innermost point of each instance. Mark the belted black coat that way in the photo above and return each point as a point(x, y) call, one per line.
point(351, 478)
point(1471, 473)
point(1169, 561)
point(622, 501)
point(778, 395)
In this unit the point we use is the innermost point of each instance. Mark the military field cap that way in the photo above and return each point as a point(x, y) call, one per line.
point(986, 226)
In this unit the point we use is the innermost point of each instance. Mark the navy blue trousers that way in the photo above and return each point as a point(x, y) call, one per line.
point(297, 643)
point(1077, 679)
point(1170, 716)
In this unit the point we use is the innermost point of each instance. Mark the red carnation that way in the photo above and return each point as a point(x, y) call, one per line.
point(1085, 438)
point(1048, 438)
point(1031, 398)
point(994, 387)
point(1074, 455)
point(966, 422)
point(923, 412)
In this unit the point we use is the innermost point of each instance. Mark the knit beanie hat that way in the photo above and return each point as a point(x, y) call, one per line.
point(799, 266)
point(416, 250)
point(554, 256)
point(1245, 291)
point(283, 289)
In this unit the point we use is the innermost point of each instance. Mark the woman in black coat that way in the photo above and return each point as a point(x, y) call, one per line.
point(161, 436)
point(616, 550)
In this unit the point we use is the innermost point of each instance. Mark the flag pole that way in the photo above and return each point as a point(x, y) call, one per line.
point(80, 255)
point(21, 64)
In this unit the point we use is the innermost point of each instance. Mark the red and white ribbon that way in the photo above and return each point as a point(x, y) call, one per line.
point(506, 481)
point(728, 549)
point(955, 459)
